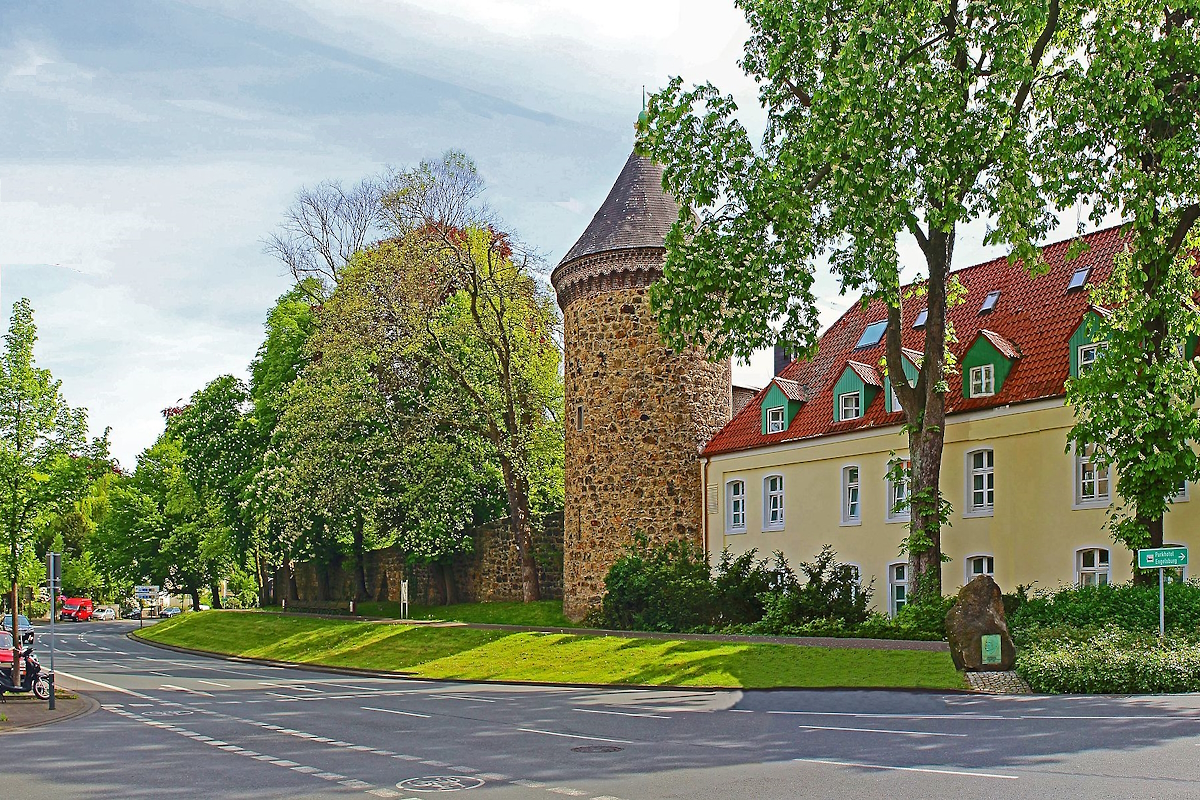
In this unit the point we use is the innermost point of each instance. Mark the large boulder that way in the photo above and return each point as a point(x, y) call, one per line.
point(979, 612)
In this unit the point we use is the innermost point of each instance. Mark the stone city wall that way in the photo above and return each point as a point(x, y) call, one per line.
point(637, 416)
point(490, 573)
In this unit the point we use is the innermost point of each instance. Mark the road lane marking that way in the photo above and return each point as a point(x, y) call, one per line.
point(108, 686)
point(213, 683)
point(927, 770)
point(394, 711)
point(857, 715)
point(173, 687)
point(461, 697)
point(574, 736)
point(620, 713)
point(877, 730)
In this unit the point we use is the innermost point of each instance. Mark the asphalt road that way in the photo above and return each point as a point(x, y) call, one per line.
point(178, 726)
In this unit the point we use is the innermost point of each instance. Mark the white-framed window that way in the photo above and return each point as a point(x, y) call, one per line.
point(1092, 567)
point(1087, 356)
point(773, 503)
point(983, 380)
point(897, 587)
point(895, 399)
point(849, 406)
point(1092, 482)
point(735, 499)
point(981, 483)
point(980, 565)
point(1181, 493)
point(897, 490)
point(851, 496)
point(776, 420)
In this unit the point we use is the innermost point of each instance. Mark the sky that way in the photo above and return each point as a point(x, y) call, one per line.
point(147, 147)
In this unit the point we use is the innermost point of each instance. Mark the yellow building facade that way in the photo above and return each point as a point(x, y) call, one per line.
point(1038, 531)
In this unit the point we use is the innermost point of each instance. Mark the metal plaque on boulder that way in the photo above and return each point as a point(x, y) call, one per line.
point(991, 648)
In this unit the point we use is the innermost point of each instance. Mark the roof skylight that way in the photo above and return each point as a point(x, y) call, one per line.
point(989, 302)
point(872, 334)
point(921, 317)
point(1078, 279)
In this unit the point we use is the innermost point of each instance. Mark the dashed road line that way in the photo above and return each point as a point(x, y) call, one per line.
point(926, 770)
point(877, 730)
point(395, 711)
point(574, 736)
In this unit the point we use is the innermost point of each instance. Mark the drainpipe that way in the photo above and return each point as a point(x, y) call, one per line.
point(704, 502)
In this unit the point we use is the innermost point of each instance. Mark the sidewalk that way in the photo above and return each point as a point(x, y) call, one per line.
point(21, 712)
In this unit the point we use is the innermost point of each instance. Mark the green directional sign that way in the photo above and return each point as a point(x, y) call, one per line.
point(1160, 557)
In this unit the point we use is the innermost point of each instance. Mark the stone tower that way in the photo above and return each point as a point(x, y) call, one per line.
point(637, 413)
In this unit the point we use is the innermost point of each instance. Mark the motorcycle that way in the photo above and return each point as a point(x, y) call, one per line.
point(33, 678)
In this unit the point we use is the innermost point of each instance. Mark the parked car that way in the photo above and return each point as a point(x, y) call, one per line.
point(22, 620)
point(170, 611)
point(105, 612)
point(133, 613)
point(78, 609)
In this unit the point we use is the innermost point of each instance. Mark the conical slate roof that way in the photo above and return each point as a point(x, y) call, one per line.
point(637, 213)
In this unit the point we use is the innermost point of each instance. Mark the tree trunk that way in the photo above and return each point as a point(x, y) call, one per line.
point(449, 591)
point(517, 491)
point(925, 563)
point(215, 589)
point(1149, 577)
point(360, 569)
point(195, 593)
point(291, 591)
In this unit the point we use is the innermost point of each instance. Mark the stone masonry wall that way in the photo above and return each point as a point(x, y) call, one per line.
point(491, 573)
point(634, 466)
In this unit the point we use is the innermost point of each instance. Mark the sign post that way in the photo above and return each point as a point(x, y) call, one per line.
point(1162, 558)
point(143, 593)
point(403, 599)
point(54, 583)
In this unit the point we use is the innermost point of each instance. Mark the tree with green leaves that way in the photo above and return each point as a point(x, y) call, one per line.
point(1119, 129)
point(222, 447)
point(884, 119)
point(463, 334)
point(40, 435)
point(159, 530)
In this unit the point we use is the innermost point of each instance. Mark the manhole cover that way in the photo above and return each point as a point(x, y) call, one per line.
point(596, 748)
point(440, 783)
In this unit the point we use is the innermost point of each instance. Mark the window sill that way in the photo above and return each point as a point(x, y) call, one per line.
point(978, 396)
point(981, 512)
point(1090, 505)
point(773, 529)
point(850, 523)
point(893, 520)
point(735, 531)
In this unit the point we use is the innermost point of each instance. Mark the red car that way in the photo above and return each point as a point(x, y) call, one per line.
point(76, 608)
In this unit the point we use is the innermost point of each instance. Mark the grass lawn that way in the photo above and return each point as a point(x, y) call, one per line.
point(542, 614)
point(467, 654)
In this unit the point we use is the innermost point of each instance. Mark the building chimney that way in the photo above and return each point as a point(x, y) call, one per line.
point(782, 359)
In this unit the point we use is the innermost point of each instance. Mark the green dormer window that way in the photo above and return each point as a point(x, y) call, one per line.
point(986, 364)
point(1086, 342)
point(854, 391)
point(780, 405)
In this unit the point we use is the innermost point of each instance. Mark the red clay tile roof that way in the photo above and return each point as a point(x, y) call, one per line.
point(869, 375)
point(1036, 320)
point(1006, 348)
point(790, 389)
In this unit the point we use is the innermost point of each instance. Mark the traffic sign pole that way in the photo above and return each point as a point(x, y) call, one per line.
point(53, 576)
point(1162, 559)
point(1162, 604)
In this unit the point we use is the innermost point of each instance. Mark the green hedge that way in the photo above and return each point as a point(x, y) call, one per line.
point(1128, 607)
point(1110, 661)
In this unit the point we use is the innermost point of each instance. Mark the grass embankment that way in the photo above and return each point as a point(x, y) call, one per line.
point(480, 655)
point(542, 614)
